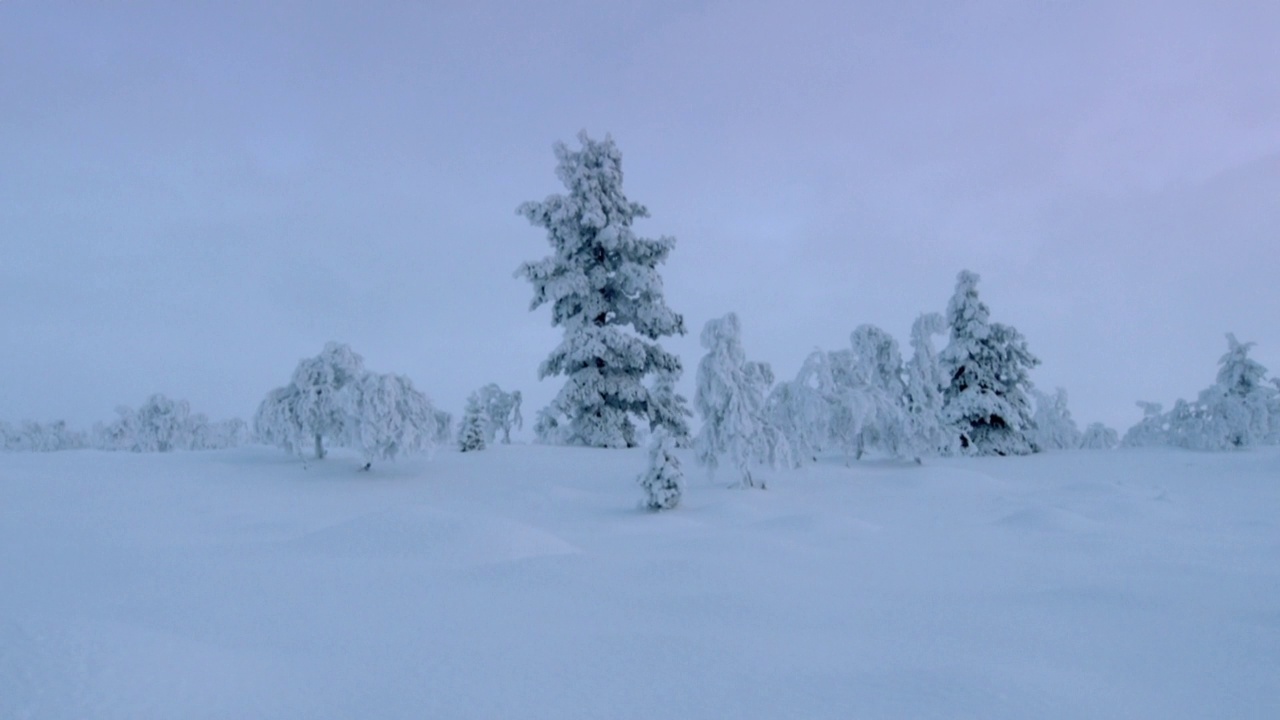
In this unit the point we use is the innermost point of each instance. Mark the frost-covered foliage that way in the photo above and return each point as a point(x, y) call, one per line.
point(1054, 427)
point(663, 478)
point(730, 398)
point(332, 397)
point(32, 436)
point(386, 417)
point(475, 426)
point(925, 382)
point(669, 409)
point(1241, 409)
point(1099, 437)
point(501, 411)
point(602, 284)
point(163, 425)
point(986, 365)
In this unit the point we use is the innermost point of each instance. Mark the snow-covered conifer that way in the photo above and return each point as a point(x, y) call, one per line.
point(663, 478)
point(387, 417)
point(475, 427)
point(1054, 427)
point(986, 365)
point(730, 398)
point(1099, 437)
point(600, 280)
point(800, 413)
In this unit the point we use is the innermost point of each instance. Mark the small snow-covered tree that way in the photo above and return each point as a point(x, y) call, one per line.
point(1099, 437)
point(986, 365)
point(386, 416)
point(730, 398)
point(925, 381)
point(444, 427)
point(501, 411)
point(600, 280)
point(312, 405)
point(1054, 427)
point(663, 479)
point(474, 429)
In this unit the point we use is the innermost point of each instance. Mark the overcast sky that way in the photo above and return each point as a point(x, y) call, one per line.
point(195, 195)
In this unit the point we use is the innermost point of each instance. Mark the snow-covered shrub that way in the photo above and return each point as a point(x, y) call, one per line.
point(663, 478)
point(1099, 437)
point(987, 364)
point(730, 398)
point(600, 280)
point(475, 427)
point(387, 417)
point(800, 413)
point(1054, 427)
point(443, 427)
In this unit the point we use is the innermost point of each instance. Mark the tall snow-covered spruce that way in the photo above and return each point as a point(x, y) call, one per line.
point(602, 284)
point(987, 364)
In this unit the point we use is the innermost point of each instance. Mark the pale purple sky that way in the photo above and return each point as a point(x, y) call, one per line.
point(195, 195)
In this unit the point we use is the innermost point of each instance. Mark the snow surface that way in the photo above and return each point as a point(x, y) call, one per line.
point(524, 582)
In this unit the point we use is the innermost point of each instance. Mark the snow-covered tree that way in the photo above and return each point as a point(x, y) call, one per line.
point(880, 392)
point(730, 398)
point(1099, 437)
point(800, 412)
point(602, 284)
point(386, 416)
point(332, 397)
point(1237, 409)
point(663, 478)
point(1151, 430)
point(986, 365)
point(475, 427)
point(501, 411)
point(311, 408)
point(925, 381)
point(669, 409)
point(1054, 427)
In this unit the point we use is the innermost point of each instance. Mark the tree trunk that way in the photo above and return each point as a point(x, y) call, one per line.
point(319, 448)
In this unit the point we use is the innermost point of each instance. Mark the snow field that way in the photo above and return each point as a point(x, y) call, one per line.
point(524, 581)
